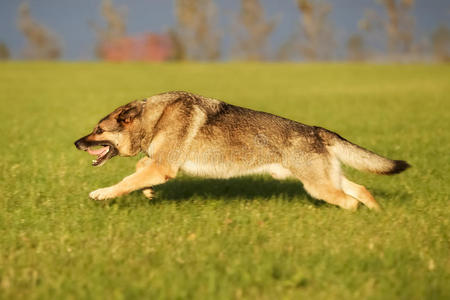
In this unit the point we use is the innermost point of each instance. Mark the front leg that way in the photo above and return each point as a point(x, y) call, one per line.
point(175, 131)
point(104, 193)
point(150, 175)
point(142, 163)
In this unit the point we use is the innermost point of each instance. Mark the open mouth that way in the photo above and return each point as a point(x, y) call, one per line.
point(103, 153)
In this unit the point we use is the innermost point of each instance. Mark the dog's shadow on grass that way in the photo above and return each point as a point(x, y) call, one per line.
point(240, 188)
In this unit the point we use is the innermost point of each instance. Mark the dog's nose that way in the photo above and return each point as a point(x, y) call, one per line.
point(81, 143)
point(77, 144)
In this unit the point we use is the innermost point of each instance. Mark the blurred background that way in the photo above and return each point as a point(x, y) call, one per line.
point(226, 30)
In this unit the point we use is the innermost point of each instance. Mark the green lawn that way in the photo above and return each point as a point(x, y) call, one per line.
point(250, 237)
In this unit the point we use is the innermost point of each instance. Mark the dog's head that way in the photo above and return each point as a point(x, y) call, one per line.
point(119, 133)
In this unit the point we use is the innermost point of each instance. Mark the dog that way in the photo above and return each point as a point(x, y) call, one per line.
point(207, 137)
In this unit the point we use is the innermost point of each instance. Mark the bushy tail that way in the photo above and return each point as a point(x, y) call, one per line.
point(360, 158)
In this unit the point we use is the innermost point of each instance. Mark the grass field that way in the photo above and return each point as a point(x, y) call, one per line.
point(250, 237)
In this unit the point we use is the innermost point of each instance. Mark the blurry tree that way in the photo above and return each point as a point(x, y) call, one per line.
point(371, 27)
point(440, 40)
point(114, 30)
point(195, 35)
point(318, 32)
point(356, 48)
point(398, 27)
point(41, 42)
point(179, 50)
point(315, 39)
point(4, 51)
point(252, 31)
point(370, 32)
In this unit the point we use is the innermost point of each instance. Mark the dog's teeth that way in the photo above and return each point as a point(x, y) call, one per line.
point(94, 161)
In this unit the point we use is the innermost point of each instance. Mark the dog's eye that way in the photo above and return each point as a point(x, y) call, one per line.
point(98, 130)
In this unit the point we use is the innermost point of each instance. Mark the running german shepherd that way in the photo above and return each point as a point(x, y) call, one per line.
point(208, 137)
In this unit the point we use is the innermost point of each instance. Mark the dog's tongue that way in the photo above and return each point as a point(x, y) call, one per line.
point(97, 151)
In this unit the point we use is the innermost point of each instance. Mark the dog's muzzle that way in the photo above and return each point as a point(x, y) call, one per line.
point(106, 152)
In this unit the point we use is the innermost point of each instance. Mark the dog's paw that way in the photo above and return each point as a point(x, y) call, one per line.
point(351, 204)
point(103, 194)
point(148, 193)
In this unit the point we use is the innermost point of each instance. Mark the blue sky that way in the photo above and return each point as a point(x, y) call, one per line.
point(69, 19)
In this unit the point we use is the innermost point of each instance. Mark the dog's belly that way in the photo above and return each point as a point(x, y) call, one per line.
point(231, 170)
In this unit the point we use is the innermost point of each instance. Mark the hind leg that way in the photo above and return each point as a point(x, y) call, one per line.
point(321, 179)
point(359, 192)
point(330, 194)
point(148, 192)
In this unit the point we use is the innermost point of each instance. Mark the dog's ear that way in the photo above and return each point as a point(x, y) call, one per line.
point(130, 112)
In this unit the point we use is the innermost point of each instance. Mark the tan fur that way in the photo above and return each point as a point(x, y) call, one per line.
point(150, 175)
point(359, 192)
point(206, 137)
point(142, 163)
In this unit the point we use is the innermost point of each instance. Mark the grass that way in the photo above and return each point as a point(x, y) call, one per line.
point(250, 237)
